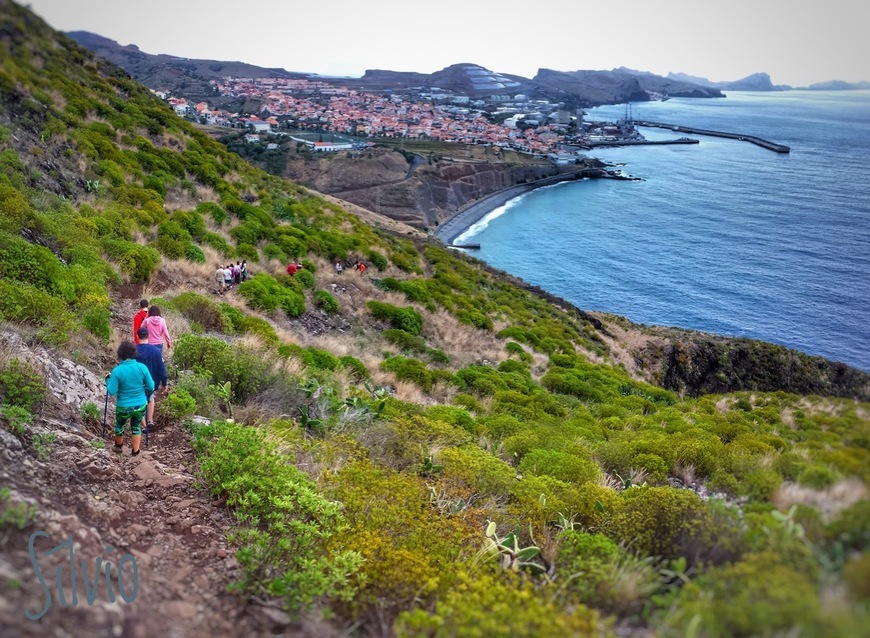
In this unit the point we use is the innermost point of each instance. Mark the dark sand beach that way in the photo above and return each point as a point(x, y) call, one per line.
point(466, 217)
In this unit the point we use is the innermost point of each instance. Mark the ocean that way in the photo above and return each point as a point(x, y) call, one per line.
point(723, 236)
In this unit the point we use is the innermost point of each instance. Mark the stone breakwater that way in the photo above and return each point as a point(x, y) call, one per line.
point(468, 215)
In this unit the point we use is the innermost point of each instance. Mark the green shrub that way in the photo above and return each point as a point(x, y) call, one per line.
point(497, 606)
point(217, 242)
point(469, 402)
point(558, 464)
point(457, 417)
point(856, 576)
point(480, 379)
point(320, 359)
point(407, 369)
point(136, 261)
point(96, 320)
point(21, 385)
point(19, 515)
point(600, 574)
point(284, 543)
point(23, 302)
point(203, 310)
point(817, 475)
point(194, 253)
point(305, 278)
point(670, 523)
point(326, 302)
point(15, 418)
point(356, 367)
point(201, 389)
point(851, 527)
point(501, 425)
point(755, 597)
point(232, 317)
point(405, 318)
point(377, 260)
point(209, 209)
point(263, 292)
point(475, 470)
point(247, 371)
point(261, 328)
point(405, 340)
point(176, 407)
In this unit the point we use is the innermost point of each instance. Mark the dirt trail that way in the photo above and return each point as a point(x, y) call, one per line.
point(150, 507)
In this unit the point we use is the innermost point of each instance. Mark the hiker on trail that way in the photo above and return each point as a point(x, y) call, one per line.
point(138, 318)
point(338, 268)
point(361, 267)
point(157, 331)
point(131, 382)
point(237, 273)
point(244, 270)
point(151, 357)
point(291, 268)
point(219, 278)
point(228, 276)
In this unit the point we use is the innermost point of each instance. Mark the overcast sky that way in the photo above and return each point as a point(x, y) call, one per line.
point(797, 43)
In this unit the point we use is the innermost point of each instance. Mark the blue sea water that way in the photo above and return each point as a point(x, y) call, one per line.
point(723, 236)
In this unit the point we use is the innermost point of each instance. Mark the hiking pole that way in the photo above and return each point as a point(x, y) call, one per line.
point(106, 408)
point(105, 411)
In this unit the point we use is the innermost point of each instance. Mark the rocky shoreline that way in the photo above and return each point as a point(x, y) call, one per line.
point(467, 216)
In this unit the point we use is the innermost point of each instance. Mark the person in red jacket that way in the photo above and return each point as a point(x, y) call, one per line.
point(291, 268)
point(137, 319)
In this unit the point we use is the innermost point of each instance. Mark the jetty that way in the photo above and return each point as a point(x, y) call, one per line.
point(771, 146)
point(465, 246)
point(634, 142)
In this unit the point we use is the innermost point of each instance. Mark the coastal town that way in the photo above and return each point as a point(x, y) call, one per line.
point(516, 123)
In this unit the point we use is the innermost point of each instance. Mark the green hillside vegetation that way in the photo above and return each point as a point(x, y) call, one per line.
point(463, 457)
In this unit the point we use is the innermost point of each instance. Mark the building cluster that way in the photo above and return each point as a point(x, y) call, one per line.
point(510, 122)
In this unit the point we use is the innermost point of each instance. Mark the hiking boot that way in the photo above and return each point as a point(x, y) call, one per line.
point(135, 452)
point(119, 448)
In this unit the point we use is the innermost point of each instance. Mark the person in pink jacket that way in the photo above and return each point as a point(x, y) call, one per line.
point(157, 332)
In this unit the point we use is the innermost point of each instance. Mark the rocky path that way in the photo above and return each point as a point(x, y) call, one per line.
point(149, 507)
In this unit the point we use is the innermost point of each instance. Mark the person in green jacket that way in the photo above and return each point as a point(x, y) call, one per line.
point(131, 382)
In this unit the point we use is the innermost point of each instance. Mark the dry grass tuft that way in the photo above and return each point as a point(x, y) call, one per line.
point(465, 345)
point(686, 473)
point(829, 501)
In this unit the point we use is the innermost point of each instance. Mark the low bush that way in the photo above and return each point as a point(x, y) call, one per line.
point(755, 597)
point(404, 318)
point(263, 292)
point(175, 407)
point(670, 523)
point(247, 371)
point(498, 606)
point(356, 367)
point(21, 385)
point(407, 369)
point(203, 310)
point(561, 465)
point(326, 302)
point(286, 524)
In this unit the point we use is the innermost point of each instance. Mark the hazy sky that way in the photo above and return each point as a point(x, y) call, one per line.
point(797, 43)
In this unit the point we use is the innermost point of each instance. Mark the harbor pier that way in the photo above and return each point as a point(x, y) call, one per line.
point(771, 146)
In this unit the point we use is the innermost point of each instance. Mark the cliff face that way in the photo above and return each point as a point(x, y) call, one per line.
point(422, 194)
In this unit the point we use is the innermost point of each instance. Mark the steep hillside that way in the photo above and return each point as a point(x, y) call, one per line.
point(428, 447)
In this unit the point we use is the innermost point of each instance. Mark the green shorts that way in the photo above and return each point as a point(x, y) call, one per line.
point(133, 415)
